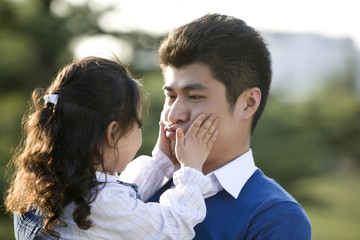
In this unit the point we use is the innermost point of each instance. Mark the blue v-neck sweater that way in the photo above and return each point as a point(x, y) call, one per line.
point(263, 210)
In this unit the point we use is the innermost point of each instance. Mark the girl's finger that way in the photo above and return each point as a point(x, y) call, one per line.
point(179, 138)
point(162, 125)
point(210, 131)
point(194, 127)
point(212, 140)
point(205, 127)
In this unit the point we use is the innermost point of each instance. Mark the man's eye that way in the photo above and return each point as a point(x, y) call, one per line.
point(195, 97)
point(170, 97)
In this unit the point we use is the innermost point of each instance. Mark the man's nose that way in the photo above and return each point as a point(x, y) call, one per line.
point(178, 112)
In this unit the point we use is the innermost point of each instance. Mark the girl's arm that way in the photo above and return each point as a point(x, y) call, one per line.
point(150, 173)
point(116, 214)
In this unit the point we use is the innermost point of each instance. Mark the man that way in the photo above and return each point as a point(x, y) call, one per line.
point(219, 65)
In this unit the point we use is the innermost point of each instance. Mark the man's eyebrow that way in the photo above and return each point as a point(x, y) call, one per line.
point(167, 88)
point(189, 87)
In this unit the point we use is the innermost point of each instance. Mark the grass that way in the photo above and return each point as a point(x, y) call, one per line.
point(6, 228)
point(334, 209)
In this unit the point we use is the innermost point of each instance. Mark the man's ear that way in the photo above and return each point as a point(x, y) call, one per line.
point(109, 136)
point(250, 101)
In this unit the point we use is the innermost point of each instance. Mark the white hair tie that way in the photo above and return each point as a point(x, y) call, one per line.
point(52, 98)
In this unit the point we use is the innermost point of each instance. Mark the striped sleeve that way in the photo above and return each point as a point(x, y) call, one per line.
point(149, 173)
point(117, 215)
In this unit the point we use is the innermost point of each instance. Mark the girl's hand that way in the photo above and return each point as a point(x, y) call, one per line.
point(193, 149)
point(164, 144)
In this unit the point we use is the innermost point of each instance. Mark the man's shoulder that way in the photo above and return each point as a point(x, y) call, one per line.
point(275, 211)
point(263, 188)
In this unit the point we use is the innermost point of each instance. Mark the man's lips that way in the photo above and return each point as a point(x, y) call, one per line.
point(170, 131)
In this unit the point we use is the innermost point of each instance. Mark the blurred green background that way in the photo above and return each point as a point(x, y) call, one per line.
point(311, 147)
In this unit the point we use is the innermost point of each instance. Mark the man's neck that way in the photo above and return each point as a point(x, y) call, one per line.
point(214, 163)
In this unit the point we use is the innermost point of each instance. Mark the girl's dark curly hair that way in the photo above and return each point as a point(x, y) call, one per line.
point(63, 143)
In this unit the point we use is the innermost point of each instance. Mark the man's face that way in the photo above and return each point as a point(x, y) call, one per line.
point(191, 90)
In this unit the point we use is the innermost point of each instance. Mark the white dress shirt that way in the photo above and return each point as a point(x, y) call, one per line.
point(117, 214)
point(231, 177)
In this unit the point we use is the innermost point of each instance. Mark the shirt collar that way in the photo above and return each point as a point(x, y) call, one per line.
point(105, 177)
point(233, 176)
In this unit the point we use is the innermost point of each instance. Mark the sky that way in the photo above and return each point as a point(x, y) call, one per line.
point(329, 18)
point(334, 18)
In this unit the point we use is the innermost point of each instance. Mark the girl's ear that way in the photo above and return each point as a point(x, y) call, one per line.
point(109, 136)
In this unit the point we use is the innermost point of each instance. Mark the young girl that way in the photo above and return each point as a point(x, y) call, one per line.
point(89, 128)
